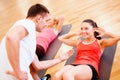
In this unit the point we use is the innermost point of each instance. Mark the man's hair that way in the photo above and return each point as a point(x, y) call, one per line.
point(37, 9)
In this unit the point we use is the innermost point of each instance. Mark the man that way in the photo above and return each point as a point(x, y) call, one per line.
point(17, 49)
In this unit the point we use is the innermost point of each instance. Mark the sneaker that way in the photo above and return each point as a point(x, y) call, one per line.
point(46, 77)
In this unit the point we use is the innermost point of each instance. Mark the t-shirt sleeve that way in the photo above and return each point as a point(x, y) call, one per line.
point(28, 25)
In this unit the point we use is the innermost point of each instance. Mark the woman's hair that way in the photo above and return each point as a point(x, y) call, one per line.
point(92, 23)
point(37, 9)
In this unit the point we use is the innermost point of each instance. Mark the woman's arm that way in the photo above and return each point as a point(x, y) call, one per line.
point(111, 40)
point(58, 24)
point(66, 39)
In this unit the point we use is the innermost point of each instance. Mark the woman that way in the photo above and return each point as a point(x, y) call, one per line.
point(47, 35)
point(89, 51)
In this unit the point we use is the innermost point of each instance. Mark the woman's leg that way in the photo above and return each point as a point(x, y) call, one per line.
point(59, 74)
point(80, 72)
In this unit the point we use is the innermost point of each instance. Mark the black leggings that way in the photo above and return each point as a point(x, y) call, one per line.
point(40, 51)
point(94, 72)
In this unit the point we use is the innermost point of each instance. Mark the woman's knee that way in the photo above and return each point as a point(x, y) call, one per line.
point(82, 76)
point(68, 75)
point(56, 76)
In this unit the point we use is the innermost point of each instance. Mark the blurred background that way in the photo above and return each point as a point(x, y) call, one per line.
point(106, 13)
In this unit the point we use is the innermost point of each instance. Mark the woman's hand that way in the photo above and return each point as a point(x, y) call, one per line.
point(101, 32)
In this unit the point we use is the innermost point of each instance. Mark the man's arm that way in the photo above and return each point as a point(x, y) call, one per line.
point(13, 38)
point(39, 65)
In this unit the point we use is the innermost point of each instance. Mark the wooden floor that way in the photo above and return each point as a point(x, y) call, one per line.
point(105, 12)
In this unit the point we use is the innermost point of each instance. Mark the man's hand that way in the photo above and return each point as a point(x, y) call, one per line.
point(65, 56)
point(21, 76)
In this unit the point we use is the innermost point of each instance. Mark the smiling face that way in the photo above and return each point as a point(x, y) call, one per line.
point(87, 30)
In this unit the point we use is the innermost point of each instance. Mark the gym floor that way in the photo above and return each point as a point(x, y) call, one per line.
point(105, 12)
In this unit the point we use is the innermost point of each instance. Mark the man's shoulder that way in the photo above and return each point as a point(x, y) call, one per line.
point(24, 21)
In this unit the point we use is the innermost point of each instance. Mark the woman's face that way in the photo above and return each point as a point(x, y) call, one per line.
point(42, 22)
point(50, 22)
point(86, 30)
